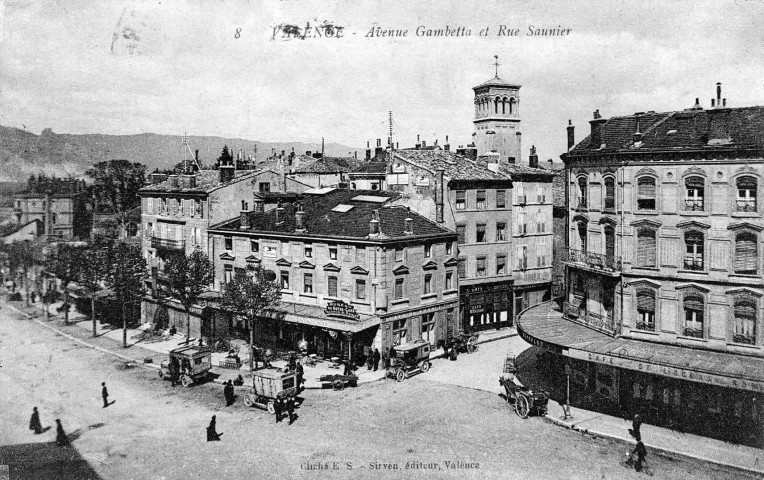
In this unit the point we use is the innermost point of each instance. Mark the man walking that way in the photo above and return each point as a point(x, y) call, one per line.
point(105, 395)
point(300, 372)
point(34, 422)
point(290, 409)
point(61, 439)
point(635, 425)
point(228, 393)
point(278, 407)
point(376, 357)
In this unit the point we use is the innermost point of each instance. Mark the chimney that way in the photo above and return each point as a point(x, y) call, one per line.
point(226, 173)
point(378, 151)
point(697, 104)
point(244, 216)
point(308, 153)
point(368, 151)
point(279, 213)
point(533, 159)
point(718, 94)
point(374, 224)
point(571, 134)
point(196, 156)
point(418, 145)
point(173, 181)
point(551, 164)
point(596, 123)
point(424, 143)
point(299, 219)
point(439, 187)
point(447, 147)
point(724, 102)
point(471, 152)
point(713, 103)
point(408, 223)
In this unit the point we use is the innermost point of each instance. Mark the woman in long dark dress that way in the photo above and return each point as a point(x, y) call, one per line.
point(61, 439)
point(212, 434)
point(34, 422)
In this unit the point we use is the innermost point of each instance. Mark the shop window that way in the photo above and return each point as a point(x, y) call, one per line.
point(228, 242)
point(501, 232)
point(331, 286)
point(399, 331)
point(461, 231)
point(746, 254)
point(308, 251)
point(254, 246)
point(501, 264)
point(332, 253)
point(461, 200)
point(666, 396)
point(480, 200)
point(609, 193)
point(360, 289)
point(694, 193)
point(428, 328)
point(694, 247)
point(746, 194)
point(646, 310)
point(428, 284)
point(449, 280)
point(637, 390)
point(427, 250)
point(227, 273)
point(398, 288)
point(646, 248)
point(480, 233)
point(284, 280)
point(480, 267)
point(582, 191)
point(501, 198)
point(745, 309)
point(461, 267)
point(677, 397)
point(646, 193)
point(693, 315)
point(649, 392)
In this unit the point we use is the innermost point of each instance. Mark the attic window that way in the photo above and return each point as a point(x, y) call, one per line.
point(370, 199)
point(671, 132)
point(342, 208)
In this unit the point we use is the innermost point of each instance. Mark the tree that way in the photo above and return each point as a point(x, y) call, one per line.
point(93, 271)
point(62, 262)
point(22, 257)
point(127, 269)
point(225, 157)
point(249, 295)
point(186, 278)
point(116, 183)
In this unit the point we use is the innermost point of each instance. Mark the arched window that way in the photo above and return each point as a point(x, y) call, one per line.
point(693, 315)
point(609, 193)
point(746, 194)
point(694, 193)
point(646, 193)
point(646, 310)
point(745, 320)
point(694, 247)
point(496, 105)
point(582, 190)
point(746, 254)
point(582, 235)
point(646, 248)
point(504, 105)
point(512, 106)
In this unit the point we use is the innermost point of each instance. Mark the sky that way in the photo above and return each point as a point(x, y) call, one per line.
point(213, 68)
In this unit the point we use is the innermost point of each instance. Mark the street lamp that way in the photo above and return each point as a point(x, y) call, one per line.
point(566, 407)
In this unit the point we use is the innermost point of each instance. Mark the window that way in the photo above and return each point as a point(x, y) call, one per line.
point(461, 267)
point(198, 208)
point(190, 208)
point(522, 257)
point(284, 280)
point(746, 194)
point(398, 254)
point(609, 193)
point(164, 206)
point(541, 254)
point(694, 188)
point(449, 248)
point(265, 186)
point(227, 273)
point(449, 280)
point(540, 223)
point(646, 248)
point(332, 253)
point(149, 230)
point(501, 232)
point(331, 286)
point(360, 289)
point(398, 289)
point(501, 264)
point(480, 200)
point(428, 327)
point(228, 243)
point(196, 236)
point(480, 233)
point(427, 250)
point(582, 236)
point(646, 310)
point(746, 255)
point(693, 315)
point(480, 268)
point(399, 332)
point(521, 195)
point(254, 246)
point(307, 283)
point(461, 200)
point(461, 234)
point(540, 195)
point(308, 251)
point(693, 258)
point(501, 198)
point(582, 190)
point(522, 227)
point(149, 205)
point(285, 248)
point(646, 193)
point(360, 255)
point(745, 320)
point(428, 283)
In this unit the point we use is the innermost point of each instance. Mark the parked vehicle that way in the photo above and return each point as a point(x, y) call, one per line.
point(465, 343)
point(527, 402)
point(338, 382)
point(268, 385)
point(409, 358)
point(189, 365)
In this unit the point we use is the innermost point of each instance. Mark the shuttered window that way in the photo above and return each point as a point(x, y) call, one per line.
point(582, 236)
point(461, 267)
point(461, 202)
point(646, 248)
point(460, 234)
point(646, 193)
point(746, 258)
point(745, 320)
point(609, 243)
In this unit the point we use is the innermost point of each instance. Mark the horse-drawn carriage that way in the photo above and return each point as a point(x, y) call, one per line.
point(409, 358)
point(527, 402)
point(269, 385)
point(464, 343)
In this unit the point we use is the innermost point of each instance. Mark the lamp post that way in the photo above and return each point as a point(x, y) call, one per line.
point(566, 407)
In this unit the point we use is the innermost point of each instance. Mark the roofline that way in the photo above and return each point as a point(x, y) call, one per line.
point(150, 189)
point(652, 151)
point(342, 239)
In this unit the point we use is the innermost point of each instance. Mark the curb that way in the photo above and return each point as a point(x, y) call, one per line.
point(660, 450)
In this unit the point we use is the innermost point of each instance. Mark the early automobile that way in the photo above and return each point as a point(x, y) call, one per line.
point(189, 364)
point(268, 385)
point(409, 358)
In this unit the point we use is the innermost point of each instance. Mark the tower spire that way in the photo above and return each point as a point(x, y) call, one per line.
point(496, 64)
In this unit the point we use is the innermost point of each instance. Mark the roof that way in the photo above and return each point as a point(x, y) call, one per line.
point(456, 167)
point(496, 82)
point(207, 181)
point(692, 129)
point(322, 220)
point(308, 164)
point(370, 167)
point(520, 172)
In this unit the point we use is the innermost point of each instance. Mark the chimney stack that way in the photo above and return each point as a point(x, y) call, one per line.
point(418, 145)
point(226, 173)
point(173, 181)
point(551, 164)
point(299, 219)
point(447, 147)
point(244, 216)
point(713, 103)
point(724, 102)
point(196, 156)
point(718, 94)
point(596, 123)
point(408, 223)
point(533, 159)
point(439, 195)
point(378, 151)
point(374, 224)
point(697, 104)
point(571, 134)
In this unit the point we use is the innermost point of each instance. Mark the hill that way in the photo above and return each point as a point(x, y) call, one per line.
point(23, 153)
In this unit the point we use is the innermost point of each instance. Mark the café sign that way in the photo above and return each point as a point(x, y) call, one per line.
point(340, 309)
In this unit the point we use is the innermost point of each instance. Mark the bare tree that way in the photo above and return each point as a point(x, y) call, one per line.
point(186, 278)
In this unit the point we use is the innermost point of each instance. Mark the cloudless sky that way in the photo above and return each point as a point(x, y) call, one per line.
point(172, 66)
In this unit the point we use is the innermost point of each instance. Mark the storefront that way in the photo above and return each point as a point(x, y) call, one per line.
point(486, 306)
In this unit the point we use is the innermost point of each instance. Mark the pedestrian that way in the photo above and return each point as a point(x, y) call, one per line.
point(636, 423)
point(300, 372)
point(376, 356)
point(105, 395)
point(61, 439)
point(641, 453)
point(453, 355)
point(228, 393)
point(278, 407)
point(173, 373)
point(239, 381)
point(290, 409)
point(390, 356)
point(212, 434)
point(34, 422)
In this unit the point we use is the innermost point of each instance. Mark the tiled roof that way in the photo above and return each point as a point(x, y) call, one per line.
point(371, 167)
point(496, 82)
point(521, 171)
point(689, 129)
point(456, 167)
point(206, 182)
point(325, 164)
point(321, 220)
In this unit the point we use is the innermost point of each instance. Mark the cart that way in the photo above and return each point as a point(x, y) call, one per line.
point(268, 385)
point(465, 343)
point(409, 358)
point(527, 402)
point(189, 364)
point(338, 382)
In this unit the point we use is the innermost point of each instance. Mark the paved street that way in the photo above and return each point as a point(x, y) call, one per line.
point(153, 431)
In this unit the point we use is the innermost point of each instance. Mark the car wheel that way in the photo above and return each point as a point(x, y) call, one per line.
point(425, 366)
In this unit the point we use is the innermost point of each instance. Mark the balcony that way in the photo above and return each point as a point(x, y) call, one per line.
point(595, 321)
point(694, 205)
point(540, 275)
point(693, 263)
point(747, 206)
point(167, 244)
point(595, 262)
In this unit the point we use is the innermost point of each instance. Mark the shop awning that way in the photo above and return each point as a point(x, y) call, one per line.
point(316, 317)
point(544, 326)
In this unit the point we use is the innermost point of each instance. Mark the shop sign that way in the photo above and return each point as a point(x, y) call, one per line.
point(540, 343)
point(477, 308)
point(338, 308)
point(667, 371)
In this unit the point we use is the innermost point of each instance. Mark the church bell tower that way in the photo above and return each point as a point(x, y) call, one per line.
point(497, 118)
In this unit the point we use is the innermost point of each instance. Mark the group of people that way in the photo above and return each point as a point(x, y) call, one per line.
point(638, 455)
point(372, 361)
point(287, 405)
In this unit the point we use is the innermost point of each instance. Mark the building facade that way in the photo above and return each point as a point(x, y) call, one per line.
point(62, 215)
point(497, 119)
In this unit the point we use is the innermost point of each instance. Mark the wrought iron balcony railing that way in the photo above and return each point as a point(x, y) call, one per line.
point(693, 205)
point(647, 327)
point(594, 261)
point(167, 244)
point(746, 206)
point(693, 332)
point(742, 338)
point(693, 263)
point(602, 323)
